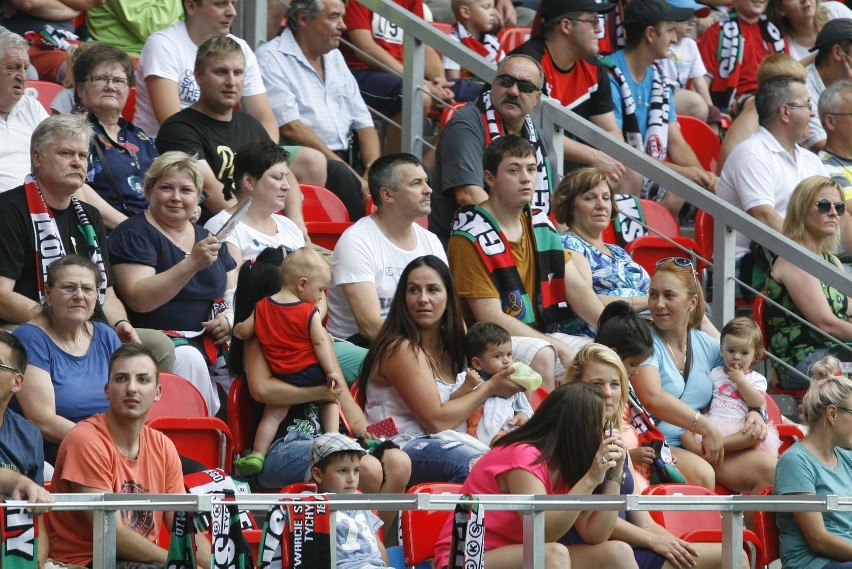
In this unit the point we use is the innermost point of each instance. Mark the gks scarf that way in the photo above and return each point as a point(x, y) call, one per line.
point(478, 226)
point(182, 543)
point(494, 130)
point(229, 547)
point(467, 547)
point(729, 54)
point(18, 538)
point(48, 242)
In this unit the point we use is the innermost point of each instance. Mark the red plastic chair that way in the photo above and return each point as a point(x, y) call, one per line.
point(767, 531)
point(44, 91)
point(704, 142)
point(759, 316)
point(648, 250)
point(299, 488)
point(205, 439)
point(129, 110)
point(704, 233)
point(325, 215)
point(537, 397)
point(513, 36)
point(661, 219)
point(697, 526)
point(420, 529)
point(443, 26)
point(243, 415)
point(788, 433)
point(179, 399)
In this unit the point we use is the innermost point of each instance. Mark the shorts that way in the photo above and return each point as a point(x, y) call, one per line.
point(381, 91)
point(311, 376)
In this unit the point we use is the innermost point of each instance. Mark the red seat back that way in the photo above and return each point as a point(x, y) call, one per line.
point(129, 110)
point(648, 250)
point(703, 140)
point(243, 414)
point(320, 204)
point(420, 528)
point(704, 233)
point(767, 531)
point(179, 399)
point(513, 36)
point(205, 439)
point(659, 218)
point(44, 91)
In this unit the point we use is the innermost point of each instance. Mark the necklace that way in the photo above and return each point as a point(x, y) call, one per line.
point(682, 364)
point(64, 345)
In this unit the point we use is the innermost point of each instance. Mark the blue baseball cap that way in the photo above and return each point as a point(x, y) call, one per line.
point(700, 9)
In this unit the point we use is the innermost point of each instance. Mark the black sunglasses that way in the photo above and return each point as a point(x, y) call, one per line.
point(824, 206)
point(524, 86)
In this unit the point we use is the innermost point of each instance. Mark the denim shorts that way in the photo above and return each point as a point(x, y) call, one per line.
point(287, 461)
point(437, 460)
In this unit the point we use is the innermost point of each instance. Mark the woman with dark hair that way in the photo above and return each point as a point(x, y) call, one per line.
point(260, 173)
point(120, 153)
point(585, 203)
point(68, 349)
point(674, 384)
point(654, 547)
point(819, 465)
point(560, 450)
point(287, 458)
point(416, 363)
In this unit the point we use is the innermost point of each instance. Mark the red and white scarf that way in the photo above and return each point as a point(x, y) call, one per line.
point(488, 47)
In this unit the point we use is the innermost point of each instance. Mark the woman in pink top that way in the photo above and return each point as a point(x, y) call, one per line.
point(561, 450)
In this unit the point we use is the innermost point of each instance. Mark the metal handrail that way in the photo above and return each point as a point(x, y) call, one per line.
point(532, 506)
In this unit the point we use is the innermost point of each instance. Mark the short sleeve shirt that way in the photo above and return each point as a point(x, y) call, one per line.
point(387, 35)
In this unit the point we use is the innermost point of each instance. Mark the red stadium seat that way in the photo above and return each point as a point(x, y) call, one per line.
point(512, 37)
point(179, 399)
point(205, 439)
point(325, 215)
point(788, 432)
point(660, 219)
point(703, 140)
point(420, 529)
point(129, 110)
point(767, 532)
point(759, 316)
point(44, 91)
point(650, 249)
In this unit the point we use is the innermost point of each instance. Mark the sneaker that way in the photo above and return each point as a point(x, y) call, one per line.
point(251, 464)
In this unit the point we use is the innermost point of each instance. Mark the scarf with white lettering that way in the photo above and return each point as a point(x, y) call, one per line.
point(729, 54)
point(656, 139)
point(488, 47)
point(494, 130)
point(181, 553)
point(18, 538)
point(478, 226)
point(48, 242)
point(467, 546)
point(229, 548)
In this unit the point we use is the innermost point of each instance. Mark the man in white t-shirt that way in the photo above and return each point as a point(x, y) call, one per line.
point(833, 47)
point(762, 171)
point(371, 255)
point(19, 115)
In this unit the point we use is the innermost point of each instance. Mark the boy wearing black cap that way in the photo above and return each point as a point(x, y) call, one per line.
point(566, 49)
point(335, 467)
point(733, 49)
point(643, 98)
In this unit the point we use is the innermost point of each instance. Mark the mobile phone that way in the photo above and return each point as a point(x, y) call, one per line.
point(386, 428)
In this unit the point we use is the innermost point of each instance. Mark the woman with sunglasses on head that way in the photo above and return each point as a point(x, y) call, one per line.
point(813, 221)
point(821, 465)
point(674, 385)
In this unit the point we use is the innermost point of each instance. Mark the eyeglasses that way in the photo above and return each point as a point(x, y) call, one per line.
point(847, 409)
point(683, 262)
point(71, 288)
point(594, 23)
point(102, 80)
point(840, 114)
point(524, 86)
point(809, 105)
point(824, 207)
point(10, 368)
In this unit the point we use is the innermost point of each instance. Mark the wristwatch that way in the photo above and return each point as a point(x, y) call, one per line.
point(762, 412)
point(617, 478)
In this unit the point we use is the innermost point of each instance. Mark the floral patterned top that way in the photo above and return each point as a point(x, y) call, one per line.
point(790, 340)
point(613, 274)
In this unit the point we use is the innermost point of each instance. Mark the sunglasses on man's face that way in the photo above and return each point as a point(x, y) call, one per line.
point(824, 206)
point(524, 86)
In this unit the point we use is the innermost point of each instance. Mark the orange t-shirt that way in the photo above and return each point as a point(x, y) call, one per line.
point(88, 456)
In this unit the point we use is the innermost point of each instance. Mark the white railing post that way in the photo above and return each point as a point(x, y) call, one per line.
point(732, 540)
point(103, 539)
point(724, 266)
point(533, 540)
point(412, 98)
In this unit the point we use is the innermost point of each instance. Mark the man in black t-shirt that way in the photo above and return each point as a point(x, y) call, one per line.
point(48, 225)
point(211, 129)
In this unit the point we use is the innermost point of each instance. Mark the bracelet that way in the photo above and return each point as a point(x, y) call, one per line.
point(617, 478)
point(695, 422)
point(118, 322)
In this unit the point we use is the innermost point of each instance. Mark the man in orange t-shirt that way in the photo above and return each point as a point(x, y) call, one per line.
point(114, 452)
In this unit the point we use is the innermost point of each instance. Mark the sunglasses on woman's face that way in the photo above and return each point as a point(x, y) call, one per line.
point(824, 206)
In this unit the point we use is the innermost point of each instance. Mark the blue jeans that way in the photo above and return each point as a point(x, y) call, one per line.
point(437, 460)
point(286, 461)
point(839, 565)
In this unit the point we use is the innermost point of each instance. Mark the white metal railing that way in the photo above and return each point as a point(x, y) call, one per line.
point(532, 506)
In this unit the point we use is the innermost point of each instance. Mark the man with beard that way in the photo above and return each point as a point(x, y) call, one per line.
point(19, 115)
point(114, 452)
point(502, 109)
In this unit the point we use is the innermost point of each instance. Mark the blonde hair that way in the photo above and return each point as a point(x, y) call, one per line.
point(828, 387)
point(303, 263)
point(802, 200)
point(779, 64)
point(169, 163)
point(598, 353)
